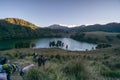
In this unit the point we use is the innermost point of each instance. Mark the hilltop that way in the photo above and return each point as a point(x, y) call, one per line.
point(21, 22)
point(17, 21)
point(14, 28)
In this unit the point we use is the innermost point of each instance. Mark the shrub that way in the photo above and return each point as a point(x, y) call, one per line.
point(33, 74)
point(118, 36)
point(76, 70)
point(109, 38)
point(107, 72)
point(50, 73)
point(103, 45)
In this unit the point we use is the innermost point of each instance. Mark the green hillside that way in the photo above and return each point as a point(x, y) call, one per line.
point(97, 37)
point(13, 28)
point(21, 22)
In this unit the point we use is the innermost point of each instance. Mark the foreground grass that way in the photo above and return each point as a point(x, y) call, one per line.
point(101, 64)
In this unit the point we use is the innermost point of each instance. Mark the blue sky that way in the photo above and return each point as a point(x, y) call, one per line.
point(65, 12)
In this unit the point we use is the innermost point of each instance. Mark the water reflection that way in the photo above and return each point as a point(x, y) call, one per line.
point(73, 45)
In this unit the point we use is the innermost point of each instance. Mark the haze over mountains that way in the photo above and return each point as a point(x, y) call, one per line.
point(110, 27)
point(11, 28)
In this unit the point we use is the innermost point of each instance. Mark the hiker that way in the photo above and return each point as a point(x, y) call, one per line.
point(66, 46)
point(44, 58)
point(41, 60)
point(34, 55)
point(3, 74)
point(7, 69)
point(10, 68)
point(26, 69)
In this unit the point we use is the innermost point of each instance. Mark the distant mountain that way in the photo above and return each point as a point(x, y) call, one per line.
point(110, 27)
point(14, 28)
point(58, 27)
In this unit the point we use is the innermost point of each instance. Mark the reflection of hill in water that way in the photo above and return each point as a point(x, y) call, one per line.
point(44, 43)
point(72, 44)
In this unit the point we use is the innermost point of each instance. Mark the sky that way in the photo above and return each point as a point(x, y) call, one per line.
point(64, 12)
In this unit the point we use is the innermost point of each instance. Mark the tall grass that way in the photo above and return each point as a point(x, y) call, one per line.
point(76, 70)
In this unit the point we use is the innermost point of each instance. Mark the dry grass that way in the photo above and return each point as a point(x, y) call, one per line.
point(100, 64)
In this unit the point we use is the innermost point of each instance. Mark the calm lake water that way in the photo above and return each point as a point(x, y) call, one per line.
point(73, 45)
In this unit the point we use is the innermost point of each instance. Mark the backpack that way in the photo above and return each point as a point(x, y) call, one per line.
point(6, 67)
point(10, 68)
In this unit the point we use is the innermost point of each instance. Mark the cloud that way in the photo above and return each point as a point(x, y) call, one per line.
point(68, 25)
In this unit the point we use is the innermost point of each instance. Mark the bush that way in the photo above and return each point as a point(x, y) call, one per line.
point(109, 38)
point(118, 36)
point(76, 70)
point(33, 74)
point(112, 74)
point(107, 72)
point(103, 45)
point(50, 73)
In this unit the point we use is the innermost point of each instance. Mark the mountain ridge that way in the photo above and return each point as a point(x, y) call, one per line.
point(109, 27)
point(14, 28)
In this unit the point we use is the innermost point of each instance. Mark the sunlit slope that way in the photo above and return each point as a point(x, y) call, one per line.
point(21, 22)
point(13, 28)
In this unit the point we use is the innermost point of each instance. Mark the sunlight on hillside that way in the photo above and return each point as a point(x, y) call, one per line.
point(21, 22)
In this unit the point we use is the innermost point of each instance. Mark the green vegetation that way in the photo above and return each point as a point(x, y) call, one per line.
point(12, 28)
point(97, 37)
point(103, 46)
point(21, 22)
point(103, 64)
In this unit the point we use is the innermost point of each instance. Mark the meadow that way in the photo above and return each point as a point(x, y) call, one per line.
point(101, 64)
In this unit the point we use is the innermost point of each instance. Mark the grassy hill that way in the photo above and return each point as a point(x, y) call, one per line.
point(21, 22)
point(97, 37)
point(13, 28)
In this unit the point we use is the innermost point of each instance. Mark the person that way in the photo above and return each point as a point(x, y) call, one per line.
point(66, 46)
point(34, 55)
point(42, 60)
point(26, 69)
point(9, 69)
point(6, 68)
point(3, 74)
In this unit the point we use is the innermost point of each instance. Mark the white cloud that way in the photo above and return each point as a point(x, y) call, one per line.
point(68, 25)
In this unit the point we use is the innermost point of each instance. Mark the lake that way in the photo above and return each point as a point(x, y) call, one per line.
point(73, 45)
